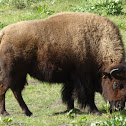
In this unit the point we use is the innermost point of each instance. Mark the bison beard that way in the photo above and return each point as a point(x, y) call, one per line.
point(70, 48)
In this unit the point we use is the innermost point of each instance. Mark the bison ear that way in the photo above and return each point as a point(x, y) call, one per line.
point(106, 75)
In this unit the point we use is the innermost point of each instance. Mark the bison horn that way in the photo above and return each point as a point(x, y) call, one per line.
point(114, 71)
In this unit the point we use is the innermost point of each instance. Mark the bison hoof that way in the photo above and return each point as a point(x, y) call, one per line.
point(96, 113)
point(27, 113)
point(5, 113)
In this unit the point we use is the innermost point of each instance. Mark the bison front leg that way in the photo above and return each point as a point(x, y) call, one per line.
point(67, 93)
point(3, 89)
point(91, 105)
point(21, 102)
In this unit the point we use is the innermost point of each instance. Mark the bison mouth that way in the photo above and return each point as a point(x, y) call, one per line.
point(116, 106)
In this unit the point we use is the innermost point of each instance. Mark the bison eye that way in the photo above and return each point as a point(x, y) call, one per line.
point(115, 85)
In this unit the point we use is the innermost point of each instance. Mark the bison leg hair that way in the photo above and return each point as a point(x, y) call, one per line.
point(3, 89)
point(67, 92)
point(21, 102)
point(86, 97)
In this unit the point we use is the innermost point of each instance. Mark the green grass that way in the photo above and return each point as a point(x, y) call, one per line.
point(44, 100)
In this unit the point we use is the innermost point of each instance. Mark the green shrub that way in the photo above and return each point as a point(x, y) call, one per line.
point(114, 121)
point(106, 107)
point(81, 122)
point(2, 25)
point(114, 8)
point(103, 7)
point(43, 9)
point(122, 26)
point(19, 4)
point(5, 121)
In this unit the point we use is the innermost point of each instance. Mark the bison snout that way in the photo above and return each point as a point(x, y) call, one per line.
point(117, 106)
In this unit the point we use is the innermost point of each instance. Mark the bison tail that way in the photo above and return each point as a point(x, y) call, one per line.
point(1, 35)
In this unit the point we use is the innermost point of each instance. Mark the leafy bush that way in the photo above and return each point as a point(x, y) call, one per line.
point(114, 121)
point(81, 122)
point(5, 122)
point(114, 8)
point(122, 26)
point(2, 25)
point(103, 7)
point(106, 107)
point(43, 9)
point(19, 4)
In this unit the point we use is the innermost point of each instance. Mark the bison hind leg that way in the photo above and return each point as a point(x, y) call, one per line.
point(17, 87)
point(3, 89)
point(21, 102)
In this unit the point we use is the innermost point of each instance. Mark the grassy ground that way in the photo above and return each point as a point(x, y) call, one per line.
point(44, 100)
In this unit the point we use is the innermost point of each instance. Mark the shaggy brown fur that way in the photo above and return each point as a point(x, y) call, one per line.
point(69, 48)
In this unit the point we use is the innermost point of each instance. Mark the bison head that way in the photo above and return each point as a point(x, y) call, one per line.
point(114, 86)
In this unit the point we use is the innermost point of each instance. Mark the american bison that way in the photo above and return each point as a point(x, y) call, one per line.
point(81, 50)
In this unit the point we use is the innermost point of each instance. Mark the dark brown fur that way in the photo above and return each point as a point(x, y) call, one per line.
point(69, 48)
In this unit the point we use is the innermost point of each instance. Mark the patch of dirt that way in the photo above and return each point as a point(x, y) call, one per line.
point(17, 124)
point(32, 82)
point(55, 103)
point(64, 124)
